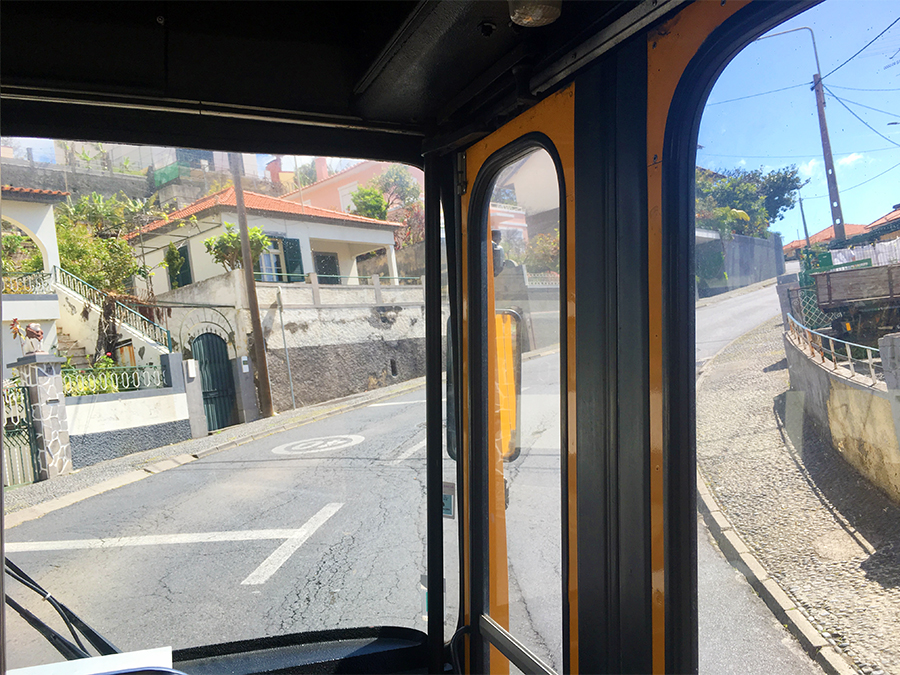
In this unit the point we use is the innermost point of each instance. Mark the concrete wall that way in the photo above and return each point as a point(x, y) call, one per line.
point(747, 260)
point(339, 340)
point(346, 345)
point(856, 418)
point(81, 182)
point(106, 426)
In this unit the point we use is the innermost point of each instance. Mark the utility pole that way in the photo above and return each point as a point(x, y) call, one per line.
point(803, 216)
point(259, 347)
point(834, 197)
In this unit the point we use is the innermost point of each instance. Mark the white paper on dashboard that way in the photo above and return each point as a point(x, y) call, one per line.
point(161, 656)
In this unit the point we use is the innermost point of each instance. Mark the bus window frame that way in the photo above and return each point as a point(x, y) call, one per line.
point(478, 422)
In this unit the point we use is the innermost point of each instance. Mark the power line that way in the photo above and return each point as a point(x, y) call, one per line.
point(841, 101)
point(864, 48)
point(763, 93)
point(834, 86)
point(868, 180)
point(862, 105)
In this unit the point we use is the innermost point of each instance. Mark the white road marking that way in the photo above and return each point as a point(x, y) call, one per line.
point(294, 539)
point(148, 540)
point(408, 452)
point(309, 446)
point(381, 405)
point(280, 555)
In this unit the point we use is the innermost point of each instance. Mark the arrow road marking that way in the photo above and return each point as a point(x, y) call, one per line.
point(280, 555)
point(294, 539)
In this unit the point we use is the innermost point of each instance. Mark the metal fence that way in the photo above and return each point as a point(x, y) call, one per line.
point(123, 314)
point(805, 306)
point(35, 283)
point(862, 361)
point(542, 279)
point(111, 380)
point(19, 443)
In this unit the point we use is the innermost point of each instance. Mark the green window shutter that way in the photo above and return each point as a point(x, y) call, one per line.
point(293, 263)
point(184, 274)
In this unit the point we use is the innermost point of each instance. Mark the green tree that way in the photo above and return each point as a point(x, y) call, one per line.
point(106, 264)
point(109, 217)
point(744, 202)
point(91, 236)
point(174, 262)
point(398, 186)
point(369, 202)
point(542, 252)
point(226, 247)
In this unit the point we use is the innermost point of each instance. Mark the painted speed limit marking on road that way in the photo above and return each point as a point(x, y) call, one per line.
point(309, 446)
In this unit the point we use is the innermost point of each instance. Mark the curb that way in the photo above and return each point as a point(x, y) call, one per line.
point(830, 658)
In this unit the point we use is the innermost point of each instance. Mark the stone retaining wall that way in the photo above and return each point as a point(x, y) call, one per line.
point(858, 419)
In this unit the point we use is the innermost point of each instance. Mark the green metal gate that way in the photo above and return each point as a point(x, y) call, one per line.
point(211, 353)
point(19, 443)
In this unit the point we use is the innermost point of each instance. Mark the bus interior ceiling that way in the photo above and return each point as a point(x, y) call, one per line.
point(318, 73)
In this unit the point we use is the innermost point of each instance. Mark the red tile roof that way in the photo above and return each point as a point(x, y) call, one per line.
point(34, 191)
point(850, 230)
point(893, 215)
point(258, 202)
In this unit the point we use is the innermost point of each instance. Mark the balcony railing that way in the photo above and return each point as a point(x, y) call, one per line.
point(111, 380)
point(123, 314)
point(36, 283)
point(862, 361)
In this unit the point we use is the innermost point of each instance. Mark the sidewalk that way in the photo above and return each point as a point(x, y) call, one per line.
point(829, 539)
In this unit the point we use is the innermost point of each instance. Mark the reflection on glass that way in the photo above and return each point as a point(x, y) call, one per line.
point(311, 520)
point(524, 466)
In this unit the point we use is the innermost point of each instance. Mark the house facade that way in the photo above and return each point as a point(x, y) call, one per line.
point(303, 239)
point(31, 298)
point(334, 192)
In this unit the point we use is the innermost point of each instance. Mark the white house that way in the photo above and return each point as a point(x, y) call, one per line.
point(31, 298)
point(304, 239)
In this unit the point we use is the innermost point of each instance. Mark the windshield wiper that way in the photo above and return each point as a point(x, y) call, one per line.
point(70, 650)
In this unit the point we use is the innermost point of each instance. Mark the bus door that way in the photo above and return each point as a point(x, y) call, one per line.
point(514, 456)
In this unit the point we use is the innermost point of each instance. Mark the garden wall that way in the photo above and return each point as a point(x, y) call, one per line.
point(106, 426)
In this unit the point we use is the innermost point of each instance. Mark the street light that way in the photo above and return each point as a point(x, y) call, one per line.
point(837, 216)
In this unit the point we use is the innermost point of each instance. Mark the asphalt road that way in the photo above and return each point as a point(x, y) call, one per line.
point(318, 527)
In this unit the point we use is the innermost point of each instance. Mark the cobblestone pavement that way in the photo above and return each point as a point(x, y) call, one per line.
point(830, 539)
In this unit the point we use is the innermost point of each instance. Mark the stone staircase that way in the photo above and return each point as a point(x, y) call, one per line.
point(67, 347)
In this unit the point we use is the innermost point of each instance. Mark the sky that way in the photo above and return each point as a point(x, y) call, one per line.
point(774, 130)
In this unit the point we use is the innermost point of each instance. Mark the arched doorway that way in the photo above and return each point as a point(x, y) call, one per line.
point(211, 353)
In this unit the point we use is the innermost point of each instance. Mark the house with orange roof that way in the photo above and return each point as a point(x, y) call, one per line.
point(303, 239)
point(822, 237)
point(334, 192)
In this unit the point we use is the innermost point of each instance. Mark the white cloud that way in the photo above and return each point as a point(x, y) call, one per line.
point(743, 162)
point(850, 159)
point(806, 170)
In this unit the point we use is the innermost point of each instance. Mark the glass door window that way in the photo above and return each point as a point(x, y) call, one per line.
point(523, 462)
